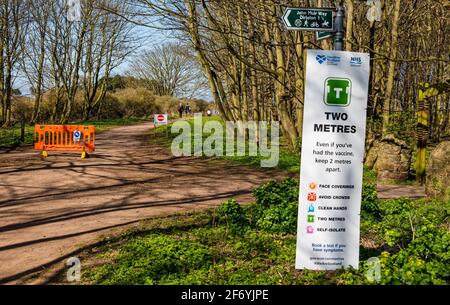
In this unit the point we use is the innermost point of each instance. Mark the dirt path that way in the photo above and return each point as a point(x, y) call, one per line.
point(397, 191)
point(50, 208)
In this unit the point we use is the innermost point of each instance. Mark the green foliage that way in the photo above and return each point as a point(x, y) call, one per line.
point(276, 206)
point(147, 260)
point(369, 176)
point(288, 160)
point(231, 213)
point(298, 145)
point(412, 244)
point(425, 261)
point(402, 217)
point(11, 136)
point(369, 203)
point(277, 193)
point(275, 209)
point(416, 243)
point(280, 218)
point(403, 126)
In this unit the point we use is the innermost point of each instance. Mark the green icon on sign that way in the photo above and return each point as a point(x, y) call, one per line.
point(310, 218)
point(338, 92)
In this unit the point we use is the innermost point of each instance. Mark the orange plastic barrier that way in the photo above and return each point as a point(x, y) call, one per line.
point(76, 138)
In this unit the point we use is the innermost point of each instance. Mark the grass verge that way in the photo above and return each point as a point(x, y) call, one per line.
point(289, 160)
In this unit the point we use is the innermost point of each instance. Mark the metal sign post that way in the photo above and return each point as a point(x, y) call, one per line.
point(339, 28)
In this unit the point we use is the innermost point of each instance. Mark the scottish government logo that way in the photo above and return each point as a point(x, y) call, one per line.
point(321, 58)
point(330, 60)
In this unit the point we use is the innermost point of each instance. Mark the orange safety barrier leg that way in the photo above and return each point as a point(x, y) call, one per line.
point(84, 154)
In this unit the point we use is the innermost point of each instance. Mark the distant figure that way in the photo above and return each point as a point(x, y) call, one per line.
point(181, 110)
point(208, 112)
point(188, 109)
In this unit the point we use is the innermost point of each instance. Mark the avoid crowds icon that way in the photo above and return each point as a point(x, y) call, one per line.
point(312, 197)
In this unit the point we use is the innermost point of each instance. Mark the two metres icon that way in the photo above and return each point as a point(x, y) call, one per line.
point(337, 92)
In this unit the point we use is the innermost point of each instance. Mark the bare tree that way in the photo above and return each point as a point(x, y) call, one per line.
point(108, 43)
point(34, 58)
point(170, 70)
point(13, 21)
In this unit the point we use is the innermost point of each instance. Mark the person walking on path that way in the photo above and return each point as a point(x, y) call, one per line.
point(181, 110)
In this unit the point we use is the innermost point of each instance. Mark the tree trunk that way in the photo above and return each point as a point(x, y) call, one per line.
point(349, 27)
point(281, 97)
point(392, 66)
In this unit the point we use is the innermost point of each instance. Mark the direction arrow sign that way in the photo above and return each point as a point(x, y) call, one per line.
point(309, 19)
point(323, 35)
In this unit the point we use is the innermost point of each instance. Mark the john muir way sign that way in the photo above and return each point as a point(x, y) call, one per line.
point(309, 19)
point(333, 139)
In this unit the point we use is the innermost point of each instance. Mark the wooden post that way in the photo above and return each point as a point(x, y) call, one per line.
point(425, 93)
point(22, 131)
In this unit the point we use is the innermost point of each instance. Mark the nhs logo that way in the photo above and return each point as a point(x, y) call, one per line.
point(356, 61)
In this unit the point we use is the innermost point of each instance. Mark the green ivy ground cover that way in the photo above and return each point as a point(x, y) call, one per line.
point(256, 244)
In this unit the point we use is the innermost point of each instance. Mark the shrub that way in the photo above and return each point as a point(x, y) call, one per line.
point(369, 203)
point(275, 193)
point(369, 175)
point(281, 218)
point(111, 108)
point(22, 109)
point(276, 206)
point(231, 213)
point(137, 102)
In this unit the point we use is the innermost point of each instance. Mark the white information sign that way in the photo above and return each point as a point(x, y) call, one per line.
point(334, 128)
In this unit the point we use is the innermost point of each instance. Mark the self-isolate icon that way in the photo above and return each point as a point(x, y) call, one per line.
point(312, 197)
point(338, 91)
point(309, 230)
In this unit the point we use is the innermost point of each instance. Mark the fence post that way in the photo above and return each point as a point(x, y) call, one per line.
point(22, 131)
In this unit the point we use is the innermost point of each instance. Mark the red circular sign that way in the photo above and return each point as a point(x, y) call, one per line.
point(160, 118)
